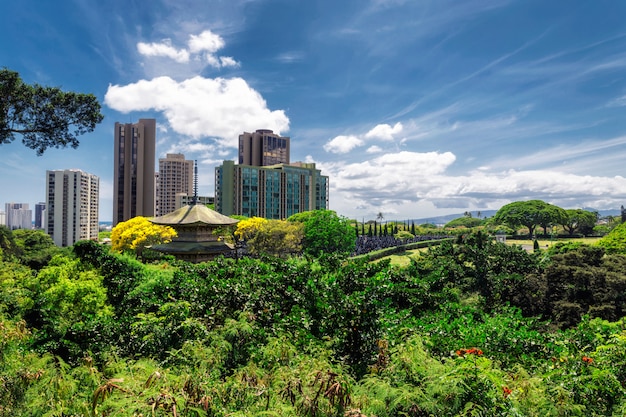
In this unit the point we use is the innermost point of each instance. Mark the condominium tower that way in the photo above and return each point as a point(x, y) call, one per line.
point(263, 148)
point(175, 178)
point(72, 206)
point(133, 175)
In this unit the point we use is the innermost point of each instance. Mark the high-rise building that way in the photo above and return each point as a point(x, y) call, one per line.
point(18, 216)
point(263, 148)
point(274, 192)
point(133, 175)
point(40, 215)
point(175, 177)
point(72, 206)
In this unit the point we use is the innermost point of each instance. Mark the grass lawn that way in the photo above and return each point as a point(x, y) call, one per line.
point(404, 258)
point(545, 243)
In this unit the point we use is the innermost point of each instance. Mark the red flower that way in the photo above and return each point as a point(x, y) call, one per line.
point(507, 391)
point(587, 359)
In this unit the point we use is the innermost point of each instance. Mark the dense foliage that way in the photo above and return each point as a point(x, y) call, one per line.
point(470, 327)
point(45, 117)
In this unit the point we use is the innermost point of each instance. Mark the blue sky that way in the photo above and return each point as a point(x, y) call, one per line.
point(413, 108)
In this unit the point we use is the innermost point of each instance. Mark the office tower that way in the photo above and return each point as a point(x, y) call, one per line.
point(263, 148)
point(274, 192)
point(72, 206)
point(18, 216)
point(175, 177)
point(40, 215)
point(133, 175)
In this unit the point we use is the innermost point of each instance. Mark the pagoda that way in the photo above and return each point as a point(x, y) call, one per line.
point(196, 226)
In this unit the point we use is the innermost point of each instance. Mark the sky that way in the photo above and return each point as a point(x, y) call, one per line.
point(412, 108)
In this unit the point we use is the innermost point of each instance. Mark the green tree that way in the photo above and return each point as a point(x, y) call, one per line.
point(524, 213)
point(465, 221)
point(578, 219)
point(326, 232)
point(615, 241)
point(8, 247)
point(551, 215)
point(36, 247)
point(45, 117)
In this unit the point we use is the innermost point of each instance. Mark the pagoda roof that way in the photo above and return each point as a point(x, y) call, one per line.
point(195, 214)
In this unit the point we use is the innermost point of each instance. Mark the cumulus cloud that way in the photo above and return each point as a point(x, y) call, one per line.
point(164, 49)
point(204, 46)
point(406, 183)
point(342, 144)
point(200, 107)
point(384, 131)
point(345, 143)
point(206, 41)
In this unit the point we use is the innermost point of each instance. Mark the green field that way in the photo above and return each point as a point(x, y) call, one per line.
point(404, 258)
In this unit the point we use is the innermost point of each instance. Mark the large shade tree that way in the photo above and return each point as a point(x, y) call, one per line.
point(45, 117)
point(579, 220)
point(529, 214)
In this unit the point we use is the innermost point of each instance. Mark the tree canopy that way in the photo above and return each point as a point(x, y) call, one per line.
point(529, 214)
point(45, 117)
point(326, 232)
point(138, 233)
point(579, 220)
point(278, 238)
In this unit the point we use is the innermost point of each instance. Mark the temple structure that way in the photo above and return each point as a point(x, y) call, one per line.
point(197, 227)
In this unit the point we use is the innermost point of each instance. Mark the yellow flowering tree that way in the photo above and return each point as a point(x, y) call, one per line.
point(279, 238)
point(248, 228)
point(138, 233)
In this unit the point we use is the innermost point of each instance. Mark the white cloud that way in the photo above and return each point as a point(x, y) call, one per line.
point(404, 184)
point(200, 107)
point(227, 61)
point(202, 46)
point(343, 144)
point(384, 131)
point(164, 49)
point(207, 41)
point(374, 149)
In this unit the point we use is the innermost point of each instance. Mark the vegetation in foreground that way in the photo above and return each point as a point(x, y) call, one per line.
point(471, 327)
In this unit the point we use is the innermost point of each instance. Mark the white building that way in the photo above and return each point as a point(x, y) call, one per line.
point(72, 206)
point(18, 216)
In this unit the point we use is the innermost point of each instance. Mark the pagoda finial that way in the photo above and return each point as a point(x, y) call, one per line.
point(195, 182)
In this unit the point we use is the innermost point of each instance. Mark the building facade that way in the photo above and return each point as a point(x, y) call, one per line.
point(263, 148)
point(72, 198)
point(40, 216)
point(272, 192)
point(18, 216)
point(175, 177)
point(133, 175)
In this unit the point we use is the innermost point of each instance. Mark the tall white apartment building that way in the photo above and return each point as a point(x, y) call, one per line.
point(175, 178)
point(72, 206)
point(18, 216)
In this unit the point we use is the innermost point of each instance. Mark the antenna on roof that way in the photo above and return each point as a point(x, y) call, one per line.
point(195, 182)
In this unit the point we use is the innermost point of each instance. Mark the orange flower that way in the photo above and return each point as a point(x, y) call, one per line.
point(507, 391)
point(587, 359)
point(470, 351)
